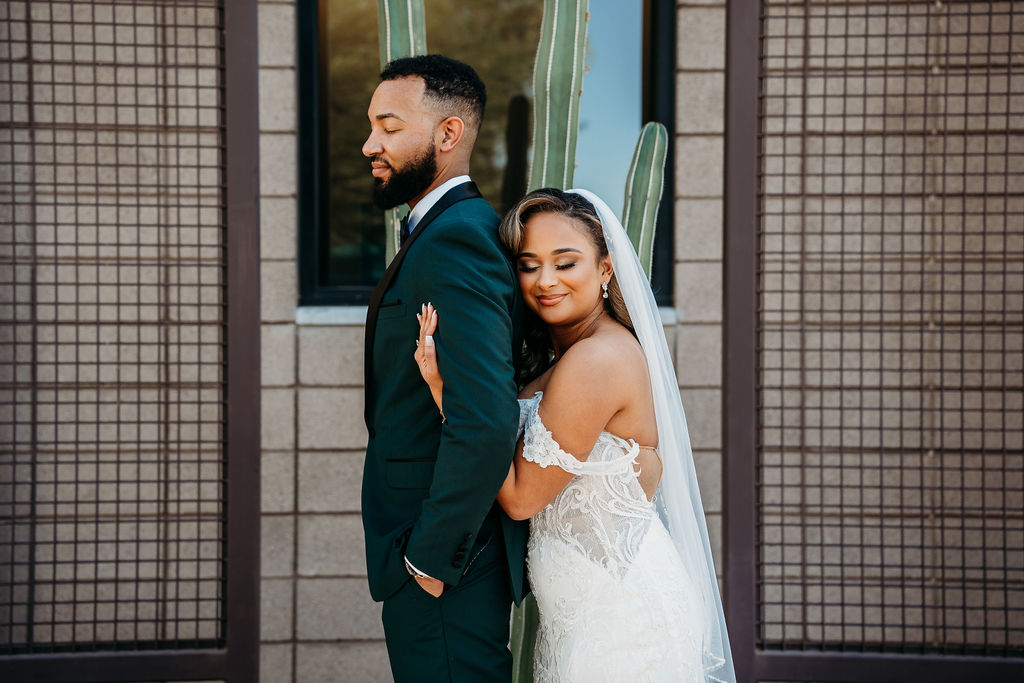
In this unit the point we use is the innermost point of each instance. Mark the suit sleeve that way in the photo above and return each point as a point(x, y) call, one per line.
point(472, 285)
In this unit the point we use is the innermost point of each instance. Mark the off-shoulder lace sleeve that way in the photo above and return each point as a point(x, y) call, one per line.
point(524, 411)
point(540, 447)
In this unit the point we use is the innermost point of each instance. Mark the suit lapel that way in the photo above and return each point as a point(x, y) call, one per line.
point(456, 194)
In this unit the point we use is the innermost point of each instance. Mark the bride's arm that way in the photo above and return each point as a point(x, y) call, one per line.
point(578, 403)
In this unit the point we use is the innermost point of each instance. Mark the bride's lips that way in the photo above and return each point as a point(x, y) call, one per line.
point(550, 299)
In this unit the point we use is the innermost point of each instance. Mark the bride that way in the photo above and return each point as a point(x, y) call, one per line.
point(618, 557)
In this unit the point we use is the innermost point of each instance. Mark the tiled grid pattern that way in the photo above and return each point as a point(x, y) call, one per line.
point(111, 299)
point(891, 332)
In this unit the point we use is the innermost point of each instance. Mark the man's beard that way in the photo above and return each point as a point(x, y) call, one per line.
point(411, 181)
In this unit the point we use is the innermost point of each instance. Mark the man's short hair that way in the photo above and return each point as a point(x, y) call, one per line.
point(453, 86)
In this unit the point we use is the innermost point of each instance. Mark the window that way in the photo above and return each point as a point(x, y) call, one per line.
point(342, 232)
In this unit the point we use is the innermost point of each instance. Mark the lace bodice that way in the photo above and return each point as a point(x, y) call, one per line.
point(603, 511)
point(614, 601)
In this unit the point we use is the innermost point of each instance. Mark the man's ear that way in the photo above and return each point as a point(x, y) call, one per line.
point(451, 131)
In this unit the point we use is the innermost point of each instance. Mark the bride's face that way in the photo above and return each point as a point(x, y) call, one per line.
point(560, 272)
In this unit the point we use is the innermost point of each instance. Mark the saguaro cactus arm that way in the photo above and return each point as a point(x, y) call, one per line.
point(557, 86)
point(643, 191)
point(401, 26)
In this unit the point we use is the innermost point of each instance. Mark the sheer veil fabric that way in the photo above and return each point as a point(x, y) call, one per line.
point(678, 500)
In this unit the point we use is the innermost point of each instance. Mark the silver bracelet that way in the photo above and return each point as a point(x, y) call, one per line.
point(413, 572)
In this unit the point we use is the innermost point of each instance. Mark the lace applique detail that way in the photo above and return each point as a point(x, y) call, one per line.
point(524, 412)
point(603, 512)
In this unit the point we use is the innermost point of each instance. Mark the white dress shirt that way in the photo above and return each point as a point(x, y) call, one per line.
point(432, 197)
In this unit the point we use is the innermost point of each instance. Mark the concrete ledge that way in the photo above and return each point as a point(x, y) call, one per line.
point(330, 315)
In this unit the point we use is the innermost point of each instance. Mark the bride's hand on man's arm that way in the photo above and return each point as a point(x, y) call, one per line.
point(426, 361)
point(426, 354)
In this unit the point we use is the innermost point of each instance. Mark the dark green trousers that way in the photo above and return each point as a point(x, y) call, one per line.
point(461, 637)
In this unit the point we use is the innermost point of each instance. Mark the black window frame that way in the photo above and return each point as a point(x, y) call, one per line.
point(658, 104)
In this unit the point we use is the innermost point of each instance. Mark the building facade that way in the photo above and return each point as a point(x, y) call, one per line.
point(841, 278)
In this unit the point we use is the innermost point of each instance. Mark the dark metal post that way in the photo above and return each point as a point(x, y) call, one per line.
point(739, 334)
point(243, 334)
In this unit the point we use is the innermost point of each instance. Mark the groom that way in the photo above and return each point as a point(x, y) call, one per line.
point(440, 553)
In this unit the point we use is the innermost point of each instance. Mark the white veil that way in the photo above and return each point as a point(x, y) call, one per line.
point(678, 500)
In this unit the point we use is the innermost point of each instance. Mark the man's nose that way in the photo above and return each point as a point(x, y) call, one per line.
point(371, 147)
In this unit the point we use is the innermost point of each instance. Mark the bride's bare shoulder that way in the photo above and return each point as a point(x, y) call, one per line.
point(606, 358)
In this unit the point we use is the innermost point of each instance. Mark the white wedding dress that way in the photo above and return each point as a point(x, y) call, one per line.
point(615, 600)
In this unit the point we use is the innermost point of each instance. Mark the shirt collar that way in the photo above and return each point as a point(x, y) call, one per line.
point(428, 201)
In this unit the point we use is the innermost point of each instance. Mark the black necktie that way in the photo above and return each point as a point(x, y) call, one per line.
point(403, 231)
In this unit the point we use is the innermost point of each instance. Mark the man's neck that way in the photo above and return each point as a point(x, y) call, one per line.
point(439, 180)
point(430, 197)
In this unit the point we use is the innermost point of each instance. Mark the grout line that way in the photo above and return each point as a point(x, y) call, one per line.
point(295, 506)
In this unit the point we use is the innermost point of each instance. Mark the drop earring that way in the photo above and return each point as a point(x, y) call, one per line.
point(604, 290)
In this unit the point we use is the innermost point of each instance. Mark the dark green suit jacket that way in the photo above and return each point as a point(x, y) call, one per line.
point(428, 486)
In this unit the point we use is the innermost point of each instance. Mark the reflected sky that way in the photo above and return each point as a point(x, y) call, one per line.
point(610, 107)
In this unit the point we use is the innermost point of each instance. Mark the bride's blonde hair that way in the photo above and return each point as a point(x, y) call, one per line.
point(537, 349)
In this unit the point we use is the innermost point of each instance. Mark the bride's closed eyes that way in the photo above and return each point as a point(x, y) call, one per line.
point(525, 268)
point(528, 265)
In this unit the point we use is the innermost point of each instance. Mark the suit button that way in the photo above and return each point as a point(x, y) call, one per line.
point(469, 537)
point(456, 564)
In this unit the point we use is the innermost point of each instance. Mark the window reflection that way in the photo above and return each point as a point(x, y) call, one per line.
point(499, 40)
point(352, 245)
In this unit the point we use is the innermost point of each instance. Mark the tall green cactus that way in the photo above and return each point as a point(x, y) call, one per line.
point(557, 86)
point(401, 25)
point(402, 28)
point(643, 191)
